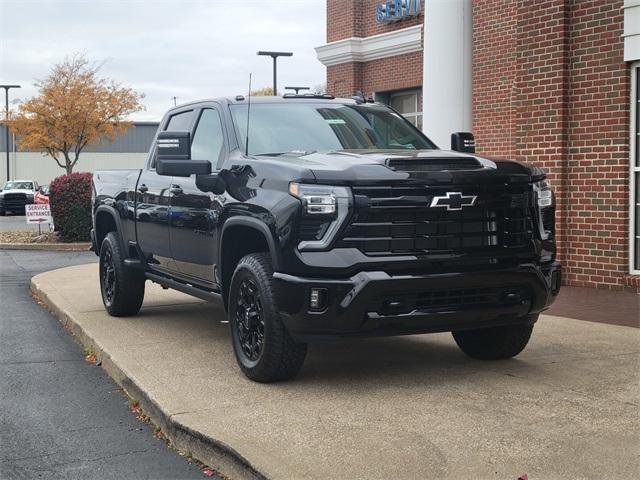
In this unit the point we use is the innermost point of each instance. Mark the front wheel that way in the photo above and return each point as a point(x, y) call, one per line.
point(496, 343)
point(122, 288)
point(263, 348)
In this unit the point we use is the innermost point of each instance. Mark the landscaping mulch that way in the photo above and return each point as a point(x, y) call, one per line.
point(38, 241)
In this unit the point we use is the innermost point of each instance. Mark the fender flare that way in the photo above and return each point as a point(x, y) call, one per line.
point(116, 218)
point(255, 224)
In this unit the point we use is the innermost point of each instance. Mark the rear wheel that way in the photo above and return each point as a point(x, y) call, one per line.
point(495, 343)
point(122, 288)
point(263, 348)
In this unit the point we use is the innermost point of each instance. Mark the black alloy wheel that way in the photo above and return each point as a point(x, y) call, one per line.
point(122, 288)
point(264, 349)
point(108, 276)
point(249, 320)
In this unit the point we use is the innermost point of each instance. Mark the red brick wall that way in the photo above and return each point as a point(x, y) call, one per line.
point(551, 88)
point(494, 74)
point(357, 18)
point(598, 146)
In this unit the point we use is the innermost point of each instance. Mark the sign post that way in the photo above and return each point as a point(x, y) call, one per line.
point(38, 213)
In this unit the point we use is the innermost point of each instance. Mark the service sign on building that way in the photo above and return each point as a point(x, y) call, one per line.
point(38, 213)
point(394, 10)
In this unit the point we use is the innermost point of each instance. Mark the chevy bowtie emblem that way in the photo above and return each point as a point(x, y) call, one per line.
point(453, 201)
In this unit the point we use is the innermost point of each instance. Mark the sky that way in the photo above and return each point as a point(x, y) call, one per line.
point(191, 49)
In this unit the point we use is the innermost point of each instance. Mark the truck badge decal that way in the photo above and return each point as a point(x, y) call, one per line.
point(453, 201)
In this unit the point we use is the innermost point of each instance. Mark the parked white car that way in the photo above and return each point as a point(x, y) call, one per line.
point(15, 194)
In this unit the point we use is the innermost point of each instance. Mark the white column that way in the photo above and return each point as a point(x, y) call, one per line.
point(448, 69)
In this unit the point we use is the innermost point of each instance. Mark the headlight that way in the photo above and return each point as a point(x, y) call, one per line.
point(544, 193)
point(324, 209)
point(545, 203)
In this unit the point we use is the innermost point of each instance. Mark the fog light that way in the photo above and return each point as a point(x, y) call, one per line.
point(318, 299)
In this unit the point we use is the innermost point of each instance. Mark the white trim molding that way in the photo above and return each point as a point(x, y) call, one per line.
point(631, 30)
point(365, 49)
point(634, 169)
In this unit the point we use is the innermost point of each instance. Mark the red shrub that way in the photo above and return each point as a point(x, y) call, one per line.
point(70, 198)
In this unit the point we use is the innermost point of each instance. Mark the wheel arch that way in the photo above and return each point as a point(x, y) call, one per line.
point(241, 236)
point(107, 220)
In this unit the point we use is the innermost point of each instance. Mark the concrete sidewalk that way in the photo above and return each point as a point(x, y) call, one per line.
point(402, 408)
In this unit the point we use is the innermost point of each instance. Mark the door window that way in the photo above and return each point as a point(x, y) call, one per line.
point(208, 139)
point(180, 122)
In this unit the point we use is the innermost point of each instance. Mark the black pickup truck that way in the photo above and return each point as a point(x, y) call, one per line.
point(335, 218)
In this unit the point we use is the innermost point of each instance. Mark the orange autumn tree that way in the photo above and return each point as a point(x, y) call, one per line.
point(74, 108)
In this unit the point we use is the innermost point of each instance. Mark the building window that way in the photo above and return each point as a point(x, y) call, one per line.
point(635, 169)
point(407, 102)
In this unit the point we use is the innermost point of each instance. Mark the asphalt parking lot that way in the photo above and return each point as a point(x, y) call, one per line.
point(407, 407)
point(13, 222)
point(61, 417)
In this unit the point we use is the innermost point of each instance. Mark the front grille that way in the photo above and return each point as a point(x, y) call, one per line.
point(399, 220)
point(418, 165)
point(15, 199)
point(397, 303)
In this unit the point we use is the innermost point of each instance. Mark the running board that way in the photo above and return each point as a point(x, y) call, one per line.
point(184, 287)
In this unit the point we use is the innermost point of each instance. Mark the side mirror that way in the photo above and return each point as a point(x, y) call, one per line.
point(173, 146)
point(173, 156)
point(463, 142)
point(211, 183)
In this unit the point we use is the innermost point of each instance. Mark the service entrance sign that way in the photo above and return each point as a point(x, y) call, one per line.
point(38, 213)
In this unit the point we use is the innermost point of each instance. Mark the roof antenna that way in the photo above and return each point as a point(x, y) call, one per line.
point(246, 150)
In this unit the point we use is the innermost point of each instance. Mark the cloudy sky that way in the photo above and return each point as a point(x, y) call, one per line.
point(191, 49)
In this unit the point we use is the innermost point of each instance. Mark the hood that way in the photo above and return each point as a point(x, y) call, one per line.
point(350, 167)
point(18, 190)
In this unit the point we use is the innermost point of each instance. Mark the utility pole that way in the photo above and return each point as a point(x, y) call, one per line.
point(175, 101)
point(275, 56)
point(6, 127)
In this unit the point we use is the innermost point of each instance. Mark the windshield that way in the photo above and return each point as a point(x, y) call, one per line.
point(18, 186)
point(277, 128)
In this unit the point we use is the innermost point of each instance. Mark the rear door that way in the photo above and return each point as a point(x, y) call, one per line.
point(153, 205)
point(194, 213)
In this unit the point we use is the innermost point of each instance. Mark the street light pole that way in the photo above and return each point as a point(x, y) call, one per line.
point(275, 56)
point(6, 127)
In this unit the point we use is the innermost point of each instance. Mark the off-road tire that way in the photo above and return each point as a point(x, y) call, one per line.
point(127, 292)
point(495, 343)
point(280, 358)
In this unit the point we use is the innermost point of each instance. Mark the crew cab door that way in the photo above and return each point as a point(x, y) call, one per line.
point(153, 206)
point(194, 213)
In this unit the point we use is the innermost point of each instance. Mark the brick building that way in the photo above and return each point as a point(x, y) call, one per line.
point(552, 82)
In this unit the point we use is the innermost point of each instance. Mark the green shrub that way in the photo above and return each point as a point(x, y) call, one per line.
point(70, 199)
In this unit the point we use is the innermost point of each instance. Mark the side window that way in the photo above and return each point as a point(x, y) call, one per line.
point(208, 140)
point(180, 122)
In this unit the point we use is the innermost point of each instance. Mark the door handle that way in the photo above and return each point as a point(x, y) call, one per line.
point(143, 188)
point(175, 189)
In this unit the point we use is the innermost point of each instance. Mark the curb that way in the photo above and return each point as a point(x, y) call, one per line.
point(52, 247)
point(208, 450)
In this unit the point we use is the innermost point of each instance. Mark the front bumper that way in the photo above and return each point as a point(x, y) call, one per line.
point(375, 303)
point(15, 205)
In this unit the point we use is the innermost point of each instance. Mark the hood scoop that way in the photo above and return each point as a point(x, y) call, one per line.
point(433, 164)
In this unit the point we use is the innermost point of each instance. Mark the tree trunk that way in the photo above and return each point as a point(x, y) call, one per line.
point(68, 164)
